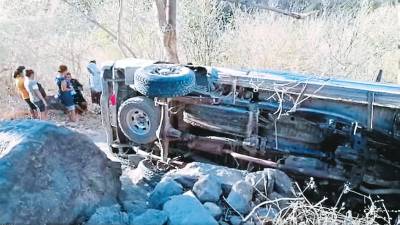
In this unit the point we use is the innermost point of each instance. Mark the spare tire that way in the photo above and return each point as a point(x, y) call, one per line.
point(164, 80)
point(139, 118)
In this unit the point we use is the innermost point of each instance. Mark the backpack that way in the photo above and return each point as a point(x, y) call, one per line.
point(41, 89)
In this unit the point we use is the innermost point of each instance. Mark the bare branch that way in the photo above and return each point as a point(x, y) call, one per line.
point(287, 13)
point(120, 15)
point(268, 202)
point(102, 27)
point(280, 11)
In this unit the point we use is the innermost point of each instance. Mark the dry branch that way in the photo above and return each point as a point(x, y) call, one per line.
point(280, 11)
point(102, 27)
point(120, 16)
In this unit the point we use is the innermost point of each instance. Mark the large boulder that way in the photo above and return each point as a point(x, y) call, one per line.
point(52, 175)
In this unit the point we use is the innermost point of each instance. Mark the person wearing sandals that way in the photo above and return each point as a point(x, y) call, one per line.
point(65, 92)
point(35, 95)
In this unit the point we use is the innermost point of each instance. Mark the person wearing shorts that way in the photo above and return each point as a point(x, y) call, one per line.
point(65, 92)
point(19, 84)
point(35, 95)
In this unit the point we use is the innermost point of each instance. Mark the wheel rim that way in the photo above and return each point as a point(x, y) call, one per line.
point(138, 121)
point(166, 70)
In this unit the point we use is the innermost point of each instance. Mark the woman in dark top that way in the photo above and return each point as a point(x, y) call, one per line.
point(65, 92)
point(79, 100)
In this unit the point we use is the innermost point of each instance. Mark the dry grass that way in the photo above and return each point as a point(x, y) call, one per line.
point(299, 210)
point(348, 45)
point(304, 212)
point(353, 43)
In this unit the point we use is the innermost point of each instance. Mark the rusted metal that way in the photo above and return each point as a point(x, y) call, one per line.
point(262, 162)
point(197, 100)
point(162, 131)
point(210, 145)
point(313, 173)
point(158, 158)
point(216, 149)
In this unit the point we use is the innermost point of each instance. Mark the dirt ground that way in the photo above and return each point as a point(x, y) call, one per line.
point(89, 123)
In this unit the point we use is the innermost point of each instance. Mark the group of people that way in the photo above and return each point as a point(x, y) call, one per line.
point(69, 91)
point(31, 92)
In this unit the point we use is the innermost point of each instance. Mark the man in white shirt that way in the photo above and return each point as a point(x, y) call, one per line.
point(95, 82)
point(35, 95)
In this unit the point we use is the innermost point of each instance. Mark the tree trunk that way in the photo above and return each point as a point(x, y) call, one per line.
point(166, 10)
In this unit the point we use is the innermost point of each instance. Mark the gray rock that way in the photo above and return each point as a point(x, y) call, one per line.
point(52, 175)
point(108, 216)
point(222, 223)
point(184, 209)
point(187, 181)
point(133, 195)
point(207, 189)
point(134, 207)
point(235, 220)
point(190, 193)
point(163, 191)
point(262, 180)
point(248, 223)
point(214, 209)
point(150, 217)
point(265, 214)
point(280, 204)
point(240, 196)
point(256, 179)
point(283, 184)
point(223, 175)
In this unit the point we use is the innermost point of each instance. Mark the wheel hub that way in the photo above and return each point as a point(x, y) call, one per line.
point(138, 121)
point(166, 71)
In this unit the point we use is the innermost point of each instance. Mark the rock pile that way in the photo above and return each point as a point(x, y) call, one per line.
point(52, 175)
point(207, 194)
